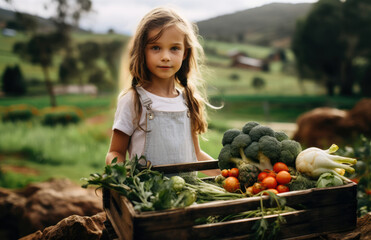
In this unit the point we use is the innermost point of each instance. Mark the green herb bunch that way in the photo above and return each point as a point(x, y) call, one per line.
point(148, 190)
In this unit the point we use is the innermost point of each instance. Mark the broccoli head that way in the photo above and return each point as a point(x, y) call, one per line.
point(259, 131)
point(270, 147)
point(239, 142)
point(252, 150)
point(290, 149)
point(280, 136)
point(229, 135)
point(224, 157)
point(248, 126)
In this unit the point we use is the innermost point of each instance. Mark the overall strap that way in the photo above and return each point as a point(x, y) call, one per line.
point(144, 99)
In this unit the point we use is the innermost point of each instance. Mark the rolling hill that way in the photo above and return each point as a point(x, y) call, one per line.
point(269, 25)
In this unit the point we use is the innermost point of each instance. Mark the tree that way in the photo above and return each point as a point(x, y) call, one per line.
point(41, 48)
point(357, 66)
point(111, 54)
point(332, 44)
point(13, 81)
point(68, 70)
point(317, 43)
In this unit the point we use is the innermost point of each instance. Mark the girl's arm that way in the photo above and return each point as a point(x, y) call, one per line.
point(202, 156)
point(118, 147)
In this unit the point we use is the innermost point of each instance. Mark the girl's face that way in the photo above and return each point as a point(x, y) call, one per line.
point(164, 57)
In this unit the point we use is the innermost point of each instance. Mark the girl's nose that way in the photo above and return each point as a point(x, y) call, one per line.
point(165, 57)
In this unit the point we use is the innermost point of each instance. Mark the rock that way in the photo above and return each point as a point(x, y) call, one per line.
point(40, 205)
point(322, 127)
point(72, 227)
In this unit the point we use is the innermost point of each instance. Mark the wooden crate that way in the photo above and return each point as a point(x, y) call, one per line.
point(323, 210)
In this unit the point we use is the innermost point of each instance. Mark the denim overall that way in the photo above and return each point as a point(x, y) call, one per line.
point(168, 136)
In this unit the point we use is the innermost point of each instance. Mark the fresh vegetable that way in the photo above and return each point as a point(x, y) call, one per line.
point(315, 161)
point(259, 131)
point(234, 172)
point(229, 135)
point(257, 145)
point(282, 188)
point(283, 177)
point(269, 182)
point(248, 126)
point(257, 188)
point(219, 179)
point(280, 136)
point(249, 190)
point(206, 192)
point(225, 173)
point(280, 166)
point(329, 180)
point(178, 183)
point(231, 184)
point(273, 190)
point(239, 142)
point(289, 151)
point(262, 175)
point(148, 190)
point(301, 182)
point(248, 174)
point(270, 173)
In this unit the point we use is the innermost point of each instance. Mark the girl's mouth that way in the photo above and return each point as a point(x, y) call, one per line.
point(164, 67)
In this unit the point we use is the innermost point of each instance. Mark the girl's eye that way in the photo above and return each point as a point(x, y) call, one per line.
point(155, 48)
point(175, 48)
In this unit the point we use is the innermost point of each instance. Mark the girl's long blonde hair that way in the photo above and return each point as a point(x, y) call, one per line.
point(188, 78)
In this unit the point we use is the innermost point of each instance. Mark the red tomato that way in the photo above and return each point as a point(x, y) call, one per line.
point(283, 177)
point(280, 166)
point(270, 173)
point(271, 190)
point(250, 190)
point(231, 184)
point(355, 180)
point(262, 175)
point(282, 188)
point(234, 172)
point(225, 173)
point(257, 188)
point(269, 182)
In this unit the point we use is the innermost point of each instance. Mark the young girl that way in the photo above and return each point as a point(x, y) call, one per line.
point(161, 115)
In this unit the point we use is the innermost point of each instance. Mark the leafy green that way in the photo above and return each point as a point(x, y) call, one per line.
point(148, 190)
point(329, 180)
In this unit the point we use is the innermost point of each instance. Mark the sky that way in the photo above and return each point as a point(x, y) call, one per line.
point(123, 15)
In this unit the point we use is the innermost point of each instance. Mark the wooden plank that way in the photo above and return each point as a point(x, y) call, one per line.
point(242, 227)
point(120, 214)
point(187, 167)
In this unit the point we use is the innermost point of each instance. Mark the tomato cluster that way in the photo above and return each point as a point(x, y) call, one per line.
point(275, 180)
point(231, 183)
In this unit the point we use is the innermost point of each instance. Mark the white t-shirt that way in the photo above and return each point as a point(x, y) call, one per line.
point(125, 114)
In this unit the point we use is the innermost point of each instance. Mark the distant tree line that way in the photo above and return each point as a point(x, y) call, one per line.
point(332, 45)
point(82, 63)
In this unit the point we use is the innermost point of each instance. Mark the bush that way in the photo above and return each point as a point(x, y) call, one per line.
point(20, 112)
point(62, 115)
point(13, 82)
point(234, 77)
point(258, 82)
